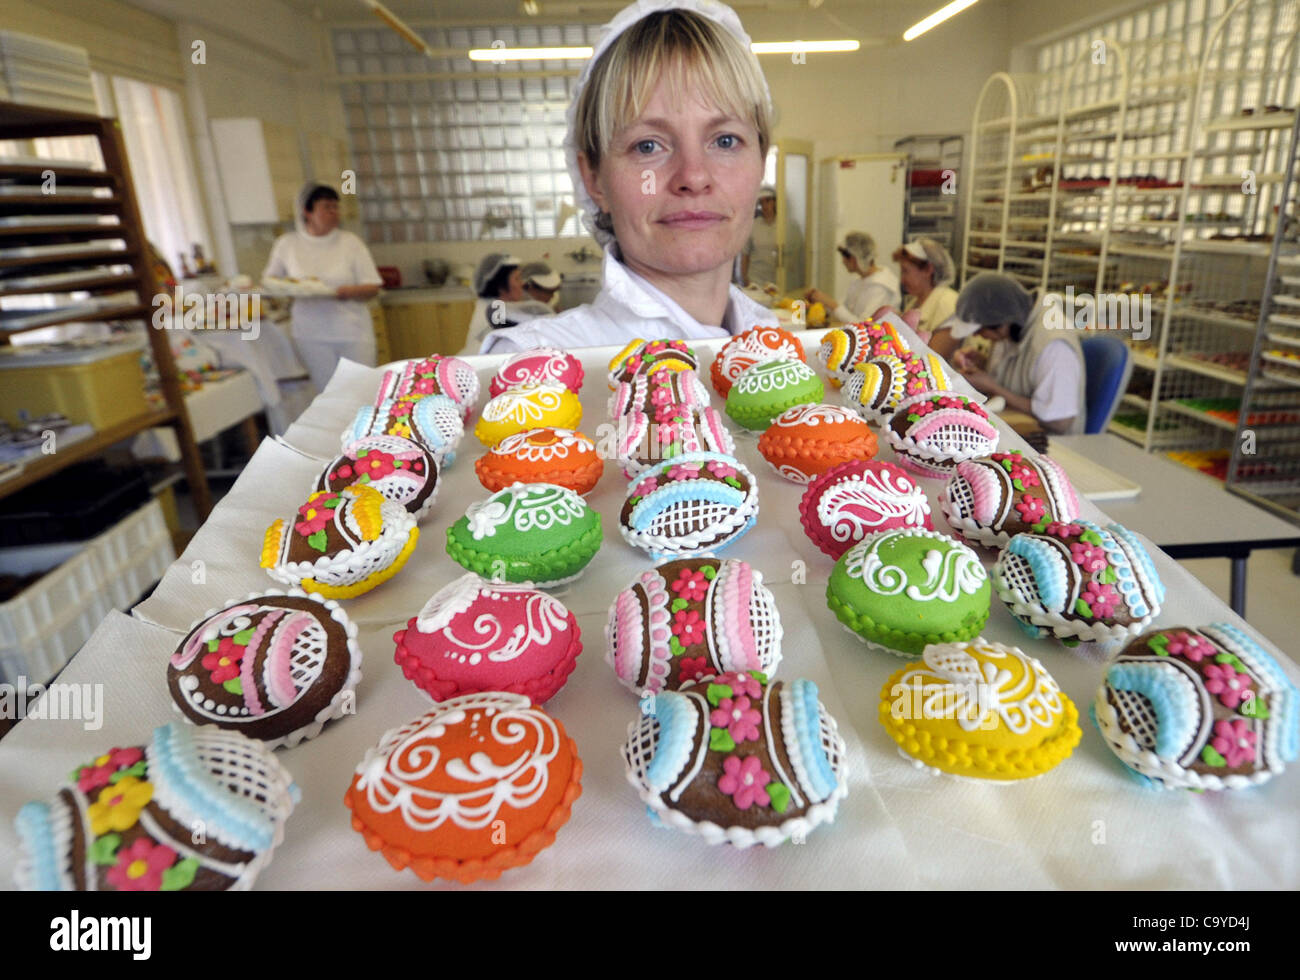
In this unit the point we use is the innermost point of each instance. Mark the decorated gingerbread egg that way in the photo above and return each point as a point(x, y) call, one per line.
point(933, 432)
point(766, 390)
point(475, 635)
point(843, 348)
point(560, 456)
point(647, 392)
point(537, 366)
point(690, 505)
point(805, 441)
point(993, 498)
point(858, 498)
point(546, 404)
point(651, 357)
point(672, 431)
point(752, 347)
point(689, 619)
point(432, 422)
point(434, 375)
point(875, 387)
point(401, 470)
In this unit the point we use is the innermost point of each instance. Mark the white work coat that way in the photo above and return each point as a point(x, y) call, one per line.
point(627, 308)
point(867, 294)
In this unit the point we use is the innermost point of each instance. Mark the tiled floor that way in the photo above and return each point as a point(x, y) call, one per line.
point(1272, 593)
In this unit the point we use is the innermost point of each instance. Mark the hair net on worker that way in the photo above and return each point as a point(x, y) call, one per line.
point(489, 267)
point(989, 300)
point(861, 246)
point(625, 18)
point(942, 269)
point(540, 274)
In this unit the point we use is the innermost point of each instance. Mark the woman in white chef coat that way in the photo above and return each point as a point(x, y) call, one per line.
point(668, 190)
point(874, 287)
point(758, 263)
point(1039, 371)
point(327, 328)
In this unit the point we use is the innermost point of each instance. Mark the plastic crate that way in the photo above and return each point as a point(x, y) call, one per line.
point(44, 625)
point(133, 555)
point(103, 387)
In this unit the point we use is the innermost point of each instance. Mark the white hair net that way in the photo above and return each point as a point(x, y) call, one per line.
point(940, 261)
point(862, 247)
point(491, 264)
point(625, 18)
point(991, 299)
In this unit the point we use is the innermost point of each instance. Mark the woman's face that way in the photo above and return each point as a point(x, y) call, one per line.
point(323, 216)
point(514, 290)
point(768, 204)
point(915, 278)
point(680, 184)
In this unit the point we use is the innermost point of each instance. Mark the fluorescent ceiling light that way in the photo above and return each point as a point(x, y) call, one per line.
point(794, 47)
point(573, 54)
point(937, 18)
point(528, 54)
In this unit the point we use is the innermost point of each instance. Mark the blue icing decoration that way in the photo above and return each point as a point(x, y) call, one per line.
point(807, 722)
point(33, 826)
point(654, 817)
point(1173, 696)
point(361, 425)
point(1047, 564)
point(1283, 699)
point(1037, 632)
point(174, 760)
point(677, 719)
point(657, 501)
point(1143, 559)
point(429, 431)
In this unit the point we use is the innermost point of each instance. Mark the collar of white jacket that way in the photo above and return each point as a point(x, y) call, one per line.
point(642, 298)
point(624, 19)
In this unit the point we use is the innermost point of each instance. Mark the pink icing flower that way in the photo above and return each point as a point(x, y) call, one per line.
point(1060, 530)
point(737, 717)
point(100, 773)
point(1194, 648)
point(741, 683)
point(375, 464)
point(949, 401)
point(1231, 687)
point(1101, 598)
point(914, 366)
point(1235, 741)
point(1024, 474)
point(914, 387)
point(976, 409)
point(1089, 557)
point(925, 408)
point(999, 457)
point(743, 780)
point(884, 347)
point(1031, 509)
point(655, 347)
point(690, 585)
point(425, 386)
point(720, 469)
point(223, 663)
point(688, 627)
point(660, 395)
point(317, 512)
point(693, 669)
point(645, 487)
point(684, 471)
point(140, 867)
point(665, 433)
point(667, 411)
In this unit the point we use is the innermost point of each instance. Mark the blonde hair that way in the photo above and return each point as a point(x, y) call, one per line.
point(690, 51)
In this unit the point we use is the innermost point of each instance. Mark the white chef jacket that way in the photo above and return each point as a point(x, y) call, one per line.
point(337, 259)
point(761, 250)
point(627, 308)
point(867, 294)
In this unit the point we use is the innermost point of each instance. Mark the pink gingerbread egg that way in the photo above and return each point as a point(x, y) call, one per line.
point(857, 499)
point(475, 635)
point(538, 366)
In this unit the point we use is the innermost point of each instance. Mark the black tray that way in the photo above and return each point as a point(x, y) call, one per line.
point(76, 503)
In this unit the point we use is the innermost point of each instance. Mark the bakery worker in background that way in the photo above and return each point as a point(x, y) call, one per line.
point(926, 270)
point(1038, 370)
point(875, 286)
point(541, 285)
point(502, 302)
point(758, 262)
point(326, 328)
point(670, 193)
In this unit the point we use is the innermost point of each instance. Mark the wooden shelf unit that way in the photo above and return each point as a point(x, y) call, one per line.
point(21, 122)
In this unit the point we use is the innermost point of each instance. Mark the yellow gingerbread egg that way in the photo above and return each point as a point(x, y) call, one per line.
point(529, 406)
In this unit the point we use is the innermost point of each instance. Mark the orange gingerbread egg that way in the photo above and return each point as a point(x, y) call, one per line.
point(805, 441)
point(560, 456)
point(754, 346)
point(477, 785)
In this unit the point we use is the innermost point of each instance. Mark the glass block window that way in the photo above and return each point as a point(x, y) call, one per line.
point(451, 149)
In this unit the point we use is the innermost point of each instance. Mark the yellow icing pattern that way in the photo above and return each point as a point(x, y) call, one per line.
point(366, 503)
point(271, 543)
point(370, 581)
